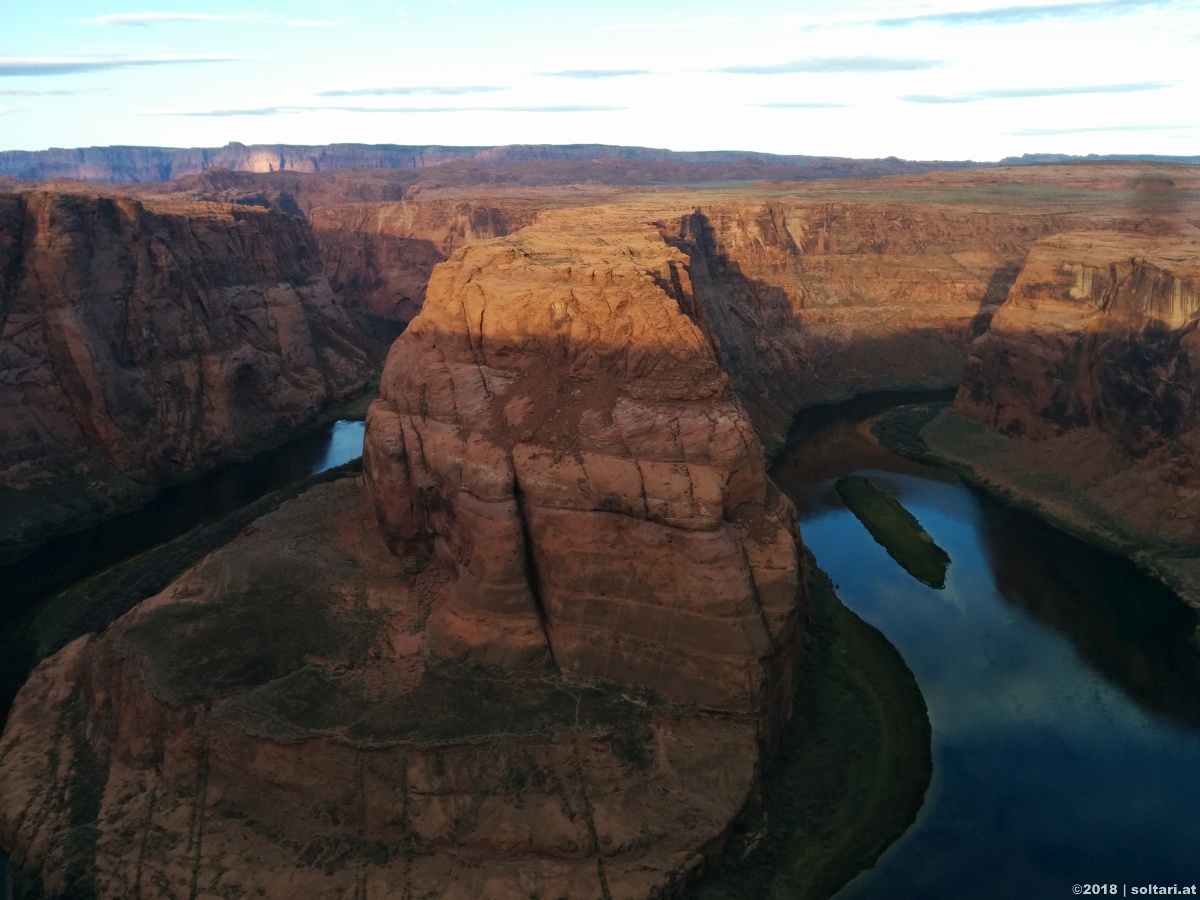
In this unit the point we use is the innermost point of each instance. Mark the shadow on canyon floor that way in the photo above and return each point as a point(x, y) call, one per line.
point(851, 772)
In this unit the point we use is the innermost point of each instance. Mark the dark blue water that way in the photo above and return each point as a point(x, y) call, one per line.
point(1063, 690)
point(174, 512)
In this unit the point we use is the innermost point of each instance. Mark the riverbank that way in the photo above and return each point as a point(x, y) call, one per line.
point(90, 605)
point(34, 517)
point(851, 771)
point(1015, 474)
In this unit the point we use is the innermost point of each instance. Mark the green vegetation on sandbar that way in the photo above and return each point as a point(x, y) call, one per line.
point(896, 530)
point(851, 771)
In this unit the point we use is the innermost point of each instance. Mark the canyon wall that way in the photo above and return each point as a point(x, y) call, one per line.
point(378, 257)
point(142, 341)
point(549, 656)
point(556, 428)
point(1096, 354)
point(814, 302)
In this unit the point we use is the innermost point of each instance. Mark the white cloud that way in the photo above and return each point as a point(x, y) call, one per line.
point(670, 25)
point(147, 19)
point(144, 19)
point(12, 66)
point(294, 110)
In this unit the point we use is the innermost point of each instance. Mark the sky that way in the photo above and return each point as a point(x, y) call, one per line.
point(943, 79)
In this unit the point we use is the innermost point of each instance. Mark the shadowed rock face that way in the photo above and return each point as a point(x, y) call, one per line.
point(273, 724)
point(144, 340)
point(1099, 330)
point(378, 257)
point(811, 303)
point(1096, 351)
point(556, 428)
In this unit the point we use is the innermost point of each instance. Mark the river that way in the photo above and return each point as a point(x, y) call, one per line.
point(28, 583)
point(1063, 686)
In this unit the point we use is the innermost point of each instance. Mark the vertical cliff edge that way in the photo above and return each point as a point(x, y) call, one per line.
point(142, 341)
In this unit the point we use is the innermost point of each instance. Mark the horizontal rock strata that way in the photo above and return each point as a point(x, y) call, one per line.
point(1096, 353)
point(378, 257)
point(273, 725)
point(564, 678)
point(557, 430)
point(141, 341)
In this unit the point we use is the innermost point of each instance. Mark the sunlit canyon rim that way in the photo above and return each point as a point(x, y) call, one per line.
point(547, 642)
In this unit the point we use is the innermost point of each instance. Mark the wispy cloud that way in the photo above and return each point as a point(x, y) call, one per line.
point(670, 25)
point(7, 92)
point(148, 19)
point(1017, 15)
point(428, 89)
point(294, 110)
point(4, 110)
point(835, 64)
point(1044, 132)
point(1020, 93)
point(595, 73)
point(801, 105)
point(16, 66)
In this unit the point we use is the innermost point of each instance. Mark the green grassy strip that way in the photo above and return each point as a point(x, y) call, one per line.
point(851, 771)
point(896, 530)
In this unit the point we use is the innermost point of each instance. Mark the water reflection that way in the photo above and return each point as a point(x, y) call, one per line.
point(1061, 686)
point(175, 511)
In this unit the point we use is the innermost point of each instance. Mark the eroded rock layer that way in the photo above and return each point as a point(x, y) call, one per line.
point(274, 725)
point(813, 302)
point(144, 340)
point(548, 657)
point(378, 257)
point(557, 429)
point(1096, 352)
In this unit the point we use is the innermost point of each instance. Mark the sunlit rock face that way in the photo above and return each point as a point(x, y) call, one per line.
point(145, 340)
point(556, 428)
point(812, 303)
point(1099, 330)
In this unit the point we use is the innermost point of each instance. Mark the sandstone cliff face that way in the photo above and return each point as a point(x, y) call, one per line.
point(1098, 330)
point(549, 657)
point(1099, 338)
point(378, 257)
point(814, 302)
point(144, 340)
point(274, 725)
point(557, 430)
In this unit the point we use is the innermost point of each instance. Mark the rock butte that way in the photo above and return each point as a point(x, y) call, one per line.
point(546, 643)
point(615, 593)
